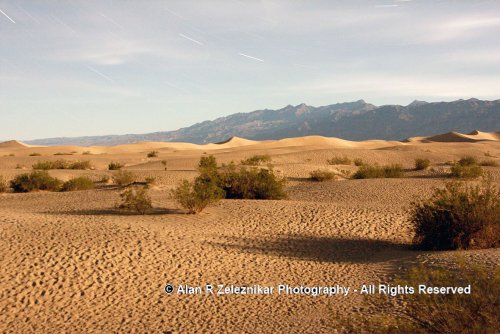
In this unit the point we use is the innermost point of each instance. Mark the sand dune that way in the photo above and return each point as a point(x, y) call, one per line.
point(456, 137)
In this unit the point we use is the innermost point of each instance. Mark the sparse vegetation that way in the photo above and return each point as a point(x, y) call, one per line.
point(358, 162)
point(257, 160)
point(115, 165)
point(466, 171)
point(3, 185)
point(105, 179)
point(467, 161)
point(63, 153)
point(86, 153)
point(135, 199)
point(36, 180)
point(489, 163)
point(422, 164)
point(78, 183)
point(153, 154)
point(375, 171)
point(34, 154)
point(322, 175)
point(164, 163)
point(150, 181)
point(488, 154)
point(337, 160)
point(460, 216)
point(124, 178)
point(196, 196)
point(62, 164)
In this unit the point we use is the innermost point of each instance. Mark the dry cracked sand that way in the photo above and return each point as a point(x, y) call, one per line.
point(70, 263)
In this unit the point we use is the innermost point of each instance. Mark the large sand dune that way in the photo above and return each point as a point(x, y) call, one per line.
point(71, 263)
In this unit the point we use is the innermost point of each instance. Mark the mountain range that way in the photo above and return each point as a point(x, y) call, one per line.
point(351, 120)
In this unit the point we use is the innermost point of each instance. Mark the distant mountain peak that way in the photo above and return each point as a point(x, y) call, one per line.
point(417, 103)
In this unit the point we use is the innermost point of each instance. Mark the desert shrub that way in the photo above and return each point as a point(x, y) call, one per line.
point(150, 180)
point(196, 196)
point(136, 199)
point(34, 154)
point(3, 185)
point(115, 165)
point(467, 161)
point(105, 179)
point(251, 183)
point(421, 164)
point(78, 183)
point(86, 153)
point(489, 163)
point(256, 160)
point(207, 167)
point(375, 171)
point(322, 175)
point(358, 162)
point(62, 164)
point(421, 313)
point(36, 180)
point(164, 163)
point(460, 216)
point(123, 178)
point(153, 154)
point(488, 154)
point(339, 161)
point(63, 153)
point(465, 171)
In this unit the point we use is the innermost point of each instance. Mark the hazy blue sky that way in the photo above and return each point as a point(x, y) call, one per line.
point(72, 68)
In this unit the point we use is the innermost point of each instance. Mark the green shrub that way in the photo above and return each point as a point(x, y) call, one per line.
point(196, 196)
point(35, 154)
point(36, 180)
point(256, 160)
point(358, 162)
point(78, 183)
point(465, 171)
point(460, 216)
point(489, 163)
point(3, 185)
point(339, 161)
point(123, 178)
point(62, 164)
point(421, 164)
point(251, 183)
point(115, 165)
point(467, 161)
point(375, 171)
point(153, 154)
point(136, 199)
point(421, 313)
point(322, 175)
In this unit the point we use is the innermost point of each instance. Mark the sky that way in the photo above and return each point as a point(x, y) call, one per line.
point(97, 67)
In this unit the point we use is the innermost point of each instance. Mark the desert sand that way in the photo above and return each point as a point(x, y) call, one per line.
point(71, 263)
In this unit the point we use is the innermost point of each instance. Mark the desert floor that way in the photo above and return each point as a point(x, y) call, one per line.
point(70, 262)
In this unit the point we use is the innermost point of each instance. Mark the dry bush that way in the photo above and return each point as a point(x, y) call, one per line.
point(3, 185)
point(322, 175)
point(63, 153)
point(465, 171)
point(476, 312)
point(460, 216)
point(358, 162)
point(36, 180)
point(62, 164)
point(153, 154)
point(86, 153)
point(339, 161)
point(150, 181)
point(196, 196)
point(489, 163)
point(467, 161)
point(35, 154)
point(115, 165)
point(164, 163)
point(422, 164)
point(124, 178)
point(135, 199)
point(78, 183)
point(257, 160)
point(375, 171)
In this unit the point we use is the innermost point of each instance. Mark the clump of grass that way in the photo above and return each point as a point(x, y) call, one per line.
point(422, 164)
point(337, 160)
point(63, 153)
point(467, 161)
point(466, 171)
point(164, 163)
point(78, 183)
point(489, 163)
point(358, 162)
point(124, 178)
point(488, 154)
point(375, 171)
point(62, 164)
point(86, 153)
point(36, 180)
point(152, 154)
point(476, 312)
point(196, 196)
point(105, 179)
point(257, 160)
point(3, 185)
point(34, 154)
point(150, 181)
point(115, 165)
point(460, 216)
point(322, 175)
point(135, 199)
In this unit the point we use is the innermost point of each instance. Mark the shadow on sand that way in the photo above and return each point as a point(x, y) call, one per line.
point(121, 212)
point(322, 249)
